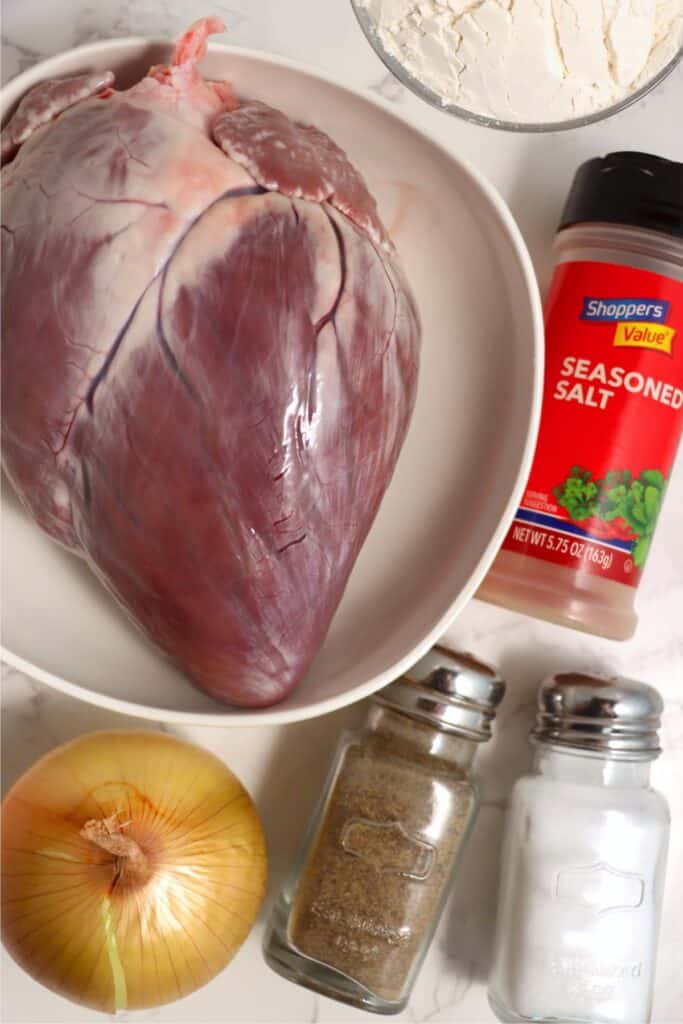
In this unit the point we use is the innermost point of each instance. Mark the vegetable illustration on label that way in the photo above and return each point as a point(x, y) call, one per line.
point(617, 505)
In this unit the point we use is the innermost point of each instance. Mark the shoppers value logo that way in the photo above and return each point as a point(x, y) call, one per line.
point(640, 323)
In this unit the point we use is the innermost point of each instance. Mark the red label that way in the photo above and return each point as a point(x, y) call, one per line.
point(611, 420)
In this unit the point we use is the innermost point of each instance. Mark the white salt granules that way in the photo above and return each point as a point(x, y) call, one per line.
point(582, 880)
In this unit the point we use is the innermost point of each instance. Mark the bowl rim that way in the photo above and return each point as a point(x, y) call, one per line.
point(270, 716)
point(429, 96)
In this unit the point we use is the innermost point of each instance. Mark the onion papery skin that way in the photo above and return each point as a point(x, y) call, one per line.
point(116, 933)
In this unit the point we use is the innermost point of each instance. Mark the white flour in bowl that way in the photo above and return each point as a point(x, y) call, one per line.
point(530, 61)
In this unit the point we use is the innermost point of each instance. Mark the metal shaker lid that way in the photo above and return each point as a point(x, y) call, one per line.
point(451, 691)
point(610, 717)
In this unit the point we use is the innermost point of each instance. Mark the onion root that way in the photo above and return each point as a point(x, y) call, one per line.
point(107, 833)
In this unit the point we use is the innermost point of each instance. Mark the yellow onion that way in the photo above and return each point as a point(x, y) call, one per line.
point(134, 866)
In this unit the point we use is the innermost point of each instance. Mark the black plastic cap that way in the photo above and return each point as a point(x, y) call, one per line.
point(639, 189)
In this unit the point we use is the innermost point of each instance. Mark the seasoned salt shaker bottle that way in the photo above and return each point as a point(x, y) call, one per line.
point(356, 918)
point(583, 860)
point(612, 411)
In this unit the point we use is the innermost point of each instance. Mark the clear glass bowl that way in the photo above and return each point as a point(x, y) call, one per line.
point(404, 76)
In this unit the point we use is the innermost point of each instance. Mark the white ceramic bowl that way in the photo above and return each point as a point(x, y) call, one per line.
point(460, 474)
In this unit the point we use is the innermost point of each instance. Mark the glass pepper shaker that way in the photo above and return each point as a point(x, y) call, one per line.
point(583, 860)
point(357, 915)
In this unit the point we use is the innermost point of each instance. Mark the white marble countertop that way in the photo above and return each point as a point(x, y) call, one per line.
point(284, 767)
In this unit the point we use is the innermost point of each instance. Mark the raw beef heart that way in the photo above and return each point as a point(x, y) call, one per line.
point(209, 361)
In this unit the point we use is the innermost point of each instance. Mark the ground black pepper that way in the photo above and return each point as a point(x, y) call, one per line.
point(355, 919)
point(376, 872)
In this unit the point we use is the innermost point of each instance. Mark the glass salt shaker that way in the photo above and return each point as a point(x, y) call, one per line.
point(583, 860)
point(356, 917)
